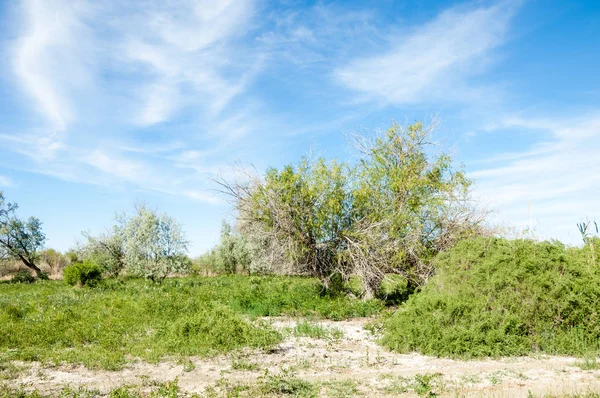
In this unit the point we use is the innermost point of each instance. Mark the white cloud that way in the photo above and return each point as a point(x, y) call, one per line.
point(5, 181)
point(47, 60)
point(553, 184)
point(433, 62)
point(97, 71)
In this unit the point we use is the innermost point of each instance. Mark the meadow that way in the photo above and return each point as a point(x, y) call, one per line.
point(126, 319)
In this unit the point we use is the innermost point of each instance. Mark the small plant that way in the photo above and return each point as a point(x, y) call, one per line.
point(287, 384)
point(23, 276)
point(588, 363)
point(82, 274)
point(243, 364)
point(316, 331)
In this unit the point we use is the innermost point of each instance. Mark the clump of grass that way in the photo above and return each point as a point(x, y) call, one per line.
point(588, 363)
point(316, 331)
point(285, 384)
point(242, 363)
point(121, 319)
point(168, 389)
point(495, 297)
point(342, 389)
point(428, 384)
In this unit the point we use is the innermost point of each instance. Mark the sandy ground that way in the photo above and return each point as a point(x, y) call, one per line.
point(356, 357)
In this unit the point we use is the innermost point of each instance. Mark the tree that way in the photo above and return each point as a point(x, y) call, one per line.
point(155, 245)
point(55, 260)
point(391, 212)
point(107, 249)
point(20, 239)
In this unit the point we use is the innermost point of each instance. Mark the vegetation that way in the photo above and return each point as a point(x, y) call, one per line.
point(496, 297)
point(82, 274)
point(19, 239)
point(392, 212)
point(134, 318)
point(145, 244)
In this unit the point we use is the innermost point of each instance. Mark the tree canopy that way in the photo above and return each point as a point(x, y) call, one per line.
point(390, 212)
point(20, 239)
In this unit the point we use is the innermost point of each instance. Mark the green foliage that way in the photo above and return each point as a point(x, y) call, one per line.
point(495, 297)
point(394, 289)
point(315, 331)
point(355, 285)
point(82, 274)
point(230, 256)
point(107, 250)
point(286, 384)
point(125, 319)
point(215, 329)
point(19, 239)
point(22, 276)
point(391, 212)
point(155, 245)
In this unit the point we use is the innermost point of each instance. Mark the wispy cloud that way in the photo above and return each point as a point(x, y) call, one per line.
point(554, 183)
point(5, 181)
point(435, 61)
point(96, 72)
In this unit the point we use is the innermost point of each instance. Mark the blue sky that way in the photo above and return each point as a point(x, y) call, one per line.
point(103, 104)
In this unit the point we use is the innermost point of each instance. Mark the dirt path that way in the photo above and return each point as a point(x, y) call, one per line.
point(354, 358)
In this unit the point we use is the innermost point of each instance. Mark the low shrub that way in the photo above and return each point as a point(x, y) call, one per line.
point(496, 297)
point(22, 276)
point(217, 328)
point(394, 289)
point(82, 274)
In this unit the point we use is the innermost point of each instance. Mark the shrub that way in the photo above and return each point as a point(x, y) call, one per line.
point(390, 212)
point(394, 288)
point(217, 328)
point(496, 297)
point(22, 276)
point(82, 274)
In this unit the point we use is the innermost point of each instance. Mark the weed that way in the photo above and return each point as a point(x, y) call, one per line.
point(315, 331)
point(121, 319)
point(342, 389)
point(588, 363)
point(495, 297)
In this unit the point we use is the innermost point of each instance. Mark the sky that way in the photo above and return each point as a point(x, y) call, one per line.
point(105, 104)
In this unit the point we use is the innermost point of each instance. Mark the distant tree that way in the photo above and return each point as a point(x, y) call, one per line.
point(107, 250)
point(155, 244)
point(20, 239)
point(231, 255)
point(55, 260)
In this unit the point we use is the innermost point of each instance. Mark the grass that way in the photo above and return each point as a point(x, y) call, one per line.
point(495, 297)
point(121, 320)
point(316, 331)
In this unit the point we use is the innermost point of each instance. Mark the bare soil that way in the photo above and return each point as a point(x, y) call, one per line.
point(356, 357)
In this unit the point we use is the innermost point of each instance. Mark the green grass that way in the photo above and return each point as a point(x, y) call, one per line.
point(121, 320)
point(316, 331)
point(495, 297)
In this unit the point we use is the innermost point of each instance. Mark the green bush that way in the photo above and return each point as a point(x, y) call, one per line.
point(217, 328)
point(82, 274)
point(495, 297)
point(22, 276)
point(394, 289)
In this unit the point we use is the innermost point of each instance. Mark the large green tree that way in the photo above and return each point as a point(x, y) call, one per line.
point(20, 239)
point(391, 211)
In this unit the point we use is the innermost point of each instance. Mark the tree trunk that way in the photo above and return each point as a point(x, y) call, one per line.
point(31, 266)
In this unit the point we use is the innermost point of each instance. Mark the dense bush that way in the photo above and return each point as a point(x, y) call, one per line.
point(146, 244)
point(390, 212)
point(22, 276)
point(82, 274)
point(496, 297)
